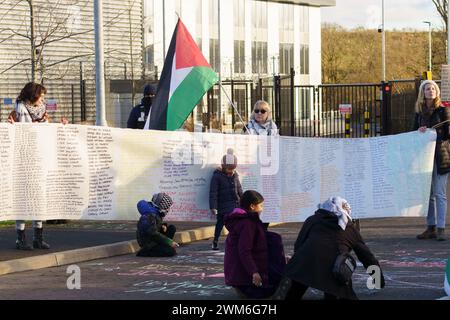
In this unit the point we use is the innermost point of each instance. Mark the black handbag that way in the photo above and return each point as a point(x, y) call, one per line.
point(343, 268)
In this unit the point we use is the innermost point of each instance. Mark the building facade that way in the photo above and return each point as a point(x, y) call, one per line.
point(63, 37)
point(242, 39)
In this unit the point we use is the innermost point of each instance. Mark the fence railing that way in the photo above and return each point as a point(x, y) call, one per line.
point(314, 111)
point(304, 111)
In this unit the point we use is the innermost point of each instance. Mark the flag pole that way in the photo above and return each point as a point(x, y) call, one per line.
point(234, 107)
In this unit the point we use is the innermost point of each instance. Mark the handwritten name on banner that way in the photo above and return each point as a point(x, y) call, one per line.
point(51, 171)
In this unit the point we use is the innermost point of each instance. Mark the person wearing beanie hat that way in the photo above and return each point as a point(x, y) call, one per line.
point(430, 113)
point(224, 193)
point(153, 236)
point(138, 115)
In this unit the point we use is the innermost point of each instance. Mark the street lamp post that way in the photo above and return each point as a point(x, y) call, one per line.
point(99, 65)
point(448, 32)
point(429, 45)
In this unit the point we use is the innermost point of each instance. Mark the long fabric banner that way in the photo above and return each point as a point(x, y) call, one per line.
point(51, 171)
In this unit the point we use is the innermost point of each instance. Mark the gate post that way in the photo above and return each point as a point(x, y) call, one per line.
point(277, 102)
point(386, 95)
point(233, 121)
point(292, 106)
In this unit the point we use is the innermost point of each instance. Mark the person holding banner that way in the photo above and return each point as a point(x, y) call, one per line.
point(430, 113)
point(31, 107)
point(261, 122)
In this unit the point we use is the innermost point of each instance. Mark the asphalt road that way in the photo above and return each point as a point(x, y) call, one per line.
point(414, 269)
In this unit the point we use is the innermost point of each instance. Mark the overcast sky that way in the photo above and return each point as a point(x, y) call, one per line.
point(399, 14)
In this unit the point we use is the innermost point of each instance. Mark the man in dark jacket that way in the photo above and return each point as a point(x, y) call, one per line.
point(325, 235)
point(138, 115)
point(155, 237)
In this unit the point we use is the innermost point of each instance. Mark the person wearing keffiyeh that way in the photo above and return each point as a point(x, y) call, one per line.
point(323, 237)
point(261, 122)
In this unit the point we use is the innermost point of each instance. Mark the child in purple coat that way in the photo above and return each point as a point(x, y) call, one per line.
point(254, 257)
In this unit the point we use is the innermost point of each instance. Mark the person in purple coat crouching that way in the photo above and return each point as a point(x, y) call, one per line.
point(254, 257)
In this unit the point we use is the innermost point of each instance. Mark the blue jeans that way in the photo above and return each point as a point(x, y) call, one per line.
point(438, 199)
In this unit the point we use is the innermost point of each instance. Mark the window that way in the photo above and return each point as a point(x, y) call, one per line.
point(259, 57)
point(239, 13)
point(286, 23)
point(150, 57)
point(214, 54)
point(239, 35)
point(198, 19)
point(286, 32)
point(304, 59)
point(259, 37)
point(286, 57)
point(304, 19)
point(214, 19)
point(239, 56)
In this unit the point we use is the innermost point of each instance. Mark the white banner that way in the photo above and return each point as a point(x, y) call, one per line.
point(51, 171)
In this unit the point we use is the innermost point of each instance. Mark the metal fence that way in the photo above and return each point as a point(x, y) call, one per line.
point(304, 111)
point(314, 111)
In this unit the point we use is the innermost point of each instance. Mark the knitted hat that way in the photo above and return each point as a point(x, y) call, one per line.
point(163, 201)
point(229, 160)
point(150, 90)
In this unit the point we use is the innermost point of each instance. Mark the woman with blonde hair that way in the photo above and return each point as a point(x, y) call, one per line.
point(430, 113)
point(261, 122)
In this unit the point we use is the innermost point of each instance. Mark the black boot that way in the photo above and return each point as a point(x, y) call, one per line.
point(38, 243)
point(21, 242)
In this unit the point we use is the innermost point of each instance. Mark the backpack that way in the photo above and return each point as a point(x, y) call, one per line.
point(343, 268)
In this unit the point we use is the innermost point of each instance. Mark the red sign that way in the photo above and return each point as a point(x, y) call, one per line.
point(345, 108)
point(51, 104)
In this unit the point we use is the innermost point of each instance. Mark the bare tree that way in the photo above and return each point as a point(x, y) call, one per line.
point(441, 6)
point(49, 22)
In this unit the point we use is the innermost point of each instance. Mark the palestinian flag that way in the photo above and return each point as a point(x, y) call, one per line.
point(185, 78)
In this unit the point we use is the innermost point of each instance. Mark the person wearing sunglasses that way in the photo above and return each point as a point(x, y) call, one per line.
point(261, 122)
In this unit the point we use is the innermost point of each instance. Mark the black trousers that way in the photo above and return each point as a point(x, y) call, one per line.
point(297, 291)
point(219, 227)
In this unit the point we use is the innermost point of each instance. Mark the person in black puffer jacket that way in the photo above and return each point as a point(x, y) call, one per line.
point(323, 237)
point(225, 192)
point(431, 113)
point(153, 236)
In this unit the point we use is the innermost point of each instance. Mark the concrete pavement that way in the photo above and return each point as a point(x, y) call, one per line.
point(79, 241)
point(414, 270)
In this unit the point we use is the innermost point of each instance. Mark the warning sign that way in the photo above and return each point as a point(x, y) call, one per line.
point(52, 104)
point(345, 108)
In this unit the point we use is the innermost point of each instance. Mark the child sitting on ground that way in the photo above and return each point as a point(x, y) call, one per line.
point(155, 237)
